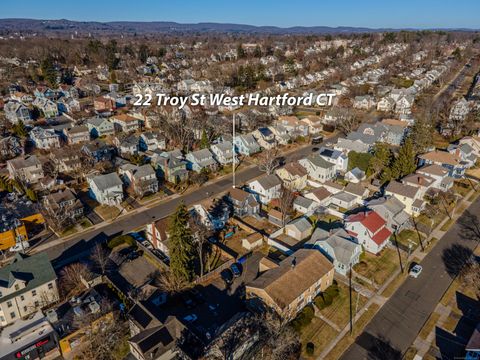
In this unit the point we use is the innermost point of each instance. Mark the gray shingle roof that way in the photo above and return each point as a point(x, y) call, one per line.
point(107, 181)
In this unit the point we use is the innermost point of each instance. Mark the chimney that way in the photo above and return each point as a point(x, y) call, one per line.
point(294, 262)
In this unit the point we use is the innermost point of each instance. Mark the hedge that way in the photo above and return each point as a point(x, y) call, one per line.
point(303, 318)
point(310, 348)
point(326, 298)
point(121, 239)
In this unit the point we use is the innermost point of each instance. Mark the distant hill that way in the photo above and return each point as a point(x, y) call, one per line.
point(132, 27)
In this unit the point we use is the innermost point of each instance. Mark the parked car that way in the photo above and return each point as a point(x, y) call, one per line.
point(134, 255)
point(235, 268)
point(317, 140)
point(190, 318)
point(415, 271)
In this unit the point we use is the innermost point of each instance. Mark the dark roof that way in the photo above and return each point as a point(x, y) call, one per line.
point(36, 270)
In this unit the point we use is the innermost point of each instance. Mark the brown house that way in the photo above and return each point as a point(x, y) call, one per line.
point(294, 283)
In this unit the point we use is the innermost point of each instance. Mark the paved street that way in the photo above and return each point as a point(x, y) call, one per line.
point(76, 247)
point(398, 322)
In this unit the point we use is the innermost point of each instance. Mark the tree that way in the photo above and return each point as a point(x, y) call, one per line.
point(241, 51)
point(421, 134)
point(404, 163)
point(20, 130)
point(143, 53)
point(111, 55)
point(170, 283)
point(286, 203)
point(257, 52)
point(347, 122)
point(204, 142)
point(201, 235)
point(182, 245)
point(48, 71)
point(267, 161)
point(380, 160)
point(71, 278)
point(360, 160)
point(31, 194)
point(100, 258)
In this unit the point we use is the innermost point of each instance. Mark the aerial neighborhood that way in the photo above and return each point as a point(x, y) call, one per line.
point(228, 232)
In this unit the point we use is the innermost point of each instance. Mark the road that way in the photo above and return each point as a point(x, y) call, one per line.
point(64, 250)
point(398, 322)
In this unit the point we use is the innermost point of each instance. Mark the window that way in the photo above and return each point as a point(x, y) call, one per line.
point(9, 304)
point(36, 303)
point(2, 319)
point(50, 286)
point(17, 287)
point(34, 292)
point(25, 309)
point(22, 297)
point(13, 315)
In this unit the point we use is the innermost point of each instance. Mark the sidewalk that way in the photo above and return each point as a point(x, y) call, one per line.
point(419, 254)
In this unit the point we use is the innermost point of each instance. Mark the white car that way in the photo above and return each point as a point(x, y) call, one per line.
point(415, 271)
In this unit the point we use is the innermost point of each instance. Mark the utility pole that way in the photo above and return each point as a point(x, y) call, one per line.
point(350, 296)
point(398, 251)
point(418, 233)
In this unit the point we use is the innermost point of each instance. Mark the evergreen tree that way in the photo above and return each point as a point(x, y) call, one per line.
point(240, 52)
point(204, 142)
point(404, 163)
point(143, 53)
point(111, 53)
point(31, 194)
point(422, 135)
point(380, 160)
point(182, 249)
point(48, 71)
point(257, 52)
point(20, 130)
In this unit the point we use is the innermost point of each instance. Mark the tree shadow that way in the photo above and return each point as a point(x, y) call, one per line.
point(469, 226)
point(456, 258)
point(378, 347)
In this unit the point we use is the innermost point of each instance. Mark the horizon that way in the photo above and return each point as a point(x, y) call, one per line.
point(373, 14)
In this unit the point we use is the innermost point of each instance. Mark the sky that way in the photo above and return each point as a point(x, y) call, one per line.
point(283, 13)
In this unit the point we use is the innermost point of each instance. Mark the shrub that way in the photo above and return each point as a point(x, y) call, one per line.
point(310, 348)
point(303, 318)
point(121, 239)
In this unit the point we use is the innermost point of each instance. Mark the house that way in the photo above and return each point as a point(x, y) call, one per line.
point(265, 138)
point(357, 190)
point(369, 229)
point(171, 168)
point(77, 134)
point(441, 180)
point(10, 147)
point(246, 145)
point(48, 108)
point(244, 203)
point(201, 160)
point(408, 195)
point(214, 219)
point(125, 123)
point(314, 124)
point(342, 200)
point(16, 111)
point(69, 105)
point(267, 188)
point(127, 145)
point(142, 179)
point(386, 104)
point(44, 138)
point(403, 105)
point(223, 153)
point(106, 189)
point(276, 218)
point(27, 284)
point(64, 204)
point(318, 168)
point(346, 145)
point(293, 175)
point(393, 211)
point(465, 152)
point(453, 163)
point(27, 169)
point(103, 104)
point(151, 141)
point(422, 182)
point(339, 158)
point(66, 160)
point(304, 205)
point(99, 127)
point(299, 229)
point(98, 151)
point(355, 175)
point(320, 195)
point(157, 234)
point(473, 141)
point(365, 102)
point(293, 125)
point(338, 246)
point(292, 284)
point(281, 134)
point(395, 131)
point(252, 241)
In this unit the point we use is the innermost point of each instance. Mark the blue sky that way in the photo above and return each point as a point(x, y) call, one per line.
point(368, 13)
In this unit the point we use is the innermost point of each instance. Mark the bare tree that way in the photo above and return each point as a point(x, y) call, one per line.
point(170, 283)
point(201, 234)
point(71, 278)
point(286, 203)
point(100, 258)
point(347, 122)
point(268, 161)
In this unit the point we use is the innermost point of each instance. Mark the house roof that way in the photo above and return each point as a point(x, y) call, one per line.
point(24, 162)
point(321, 193)
point(418, 179)
point(125, 118)
point(398, 188)
point(107, 181)
point(433, 169)
point(301, 224)
point(238, 194)
point(355, 189)
point(269, 181)
point(303, 202)
point(338, 240)
point(370, 219)
point(295, 169)
point(319, 161)
point(35, 270)
point(442, 157)
point(382, 236)
point(294, 275)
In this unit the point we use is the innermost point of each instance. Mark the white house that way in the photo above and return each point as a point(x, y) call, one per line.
point(337, 157)
point(246, 145)
point(318, 168)
point(106, 189)
point(266, 188)
point(369, 229)
point(223, 152)
point(44, 138)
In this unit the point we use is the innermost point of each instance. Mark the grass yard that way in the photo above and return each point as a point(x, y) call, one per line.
point(378, 268)
point(348, 339)
point(107, 212)
point(394, 285)
point(447, 225)
point(408, 236)
point(429, 325)
point(85, 224)
point(69, 231)
point(319, 333)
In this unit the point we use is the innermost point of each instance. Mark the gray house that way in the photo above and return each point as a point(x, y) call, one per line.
point(338, 246)
point(244, 203)
point(393, 211)
point(200, 160)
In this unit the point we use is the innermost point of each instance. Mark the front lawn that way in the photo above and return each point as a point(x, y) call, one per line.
point(378, 268)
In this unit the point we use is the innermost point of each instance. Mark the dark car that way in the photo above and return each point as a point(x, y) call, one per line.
point(126, 251)
point(227, 276)
point(317, 140)
point(235, 270)
point(315, 149)
point(133, 255)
